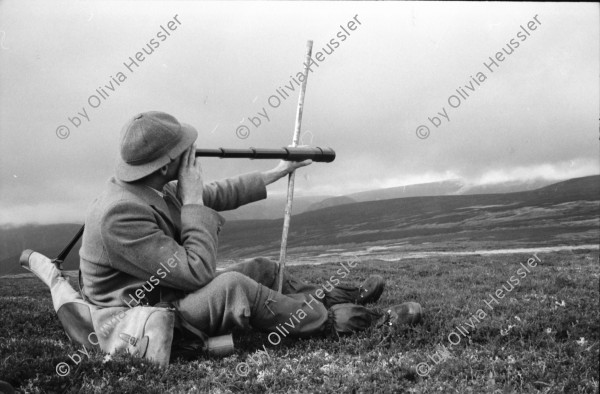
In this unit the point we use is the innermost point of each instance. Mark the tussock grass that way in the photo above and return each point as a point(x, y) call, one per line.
point(541, 337)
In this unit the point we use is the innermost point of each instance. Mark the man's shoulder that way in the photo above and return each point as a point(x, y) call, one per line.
point(115, 203)
point(115, 197)
point(117, 192)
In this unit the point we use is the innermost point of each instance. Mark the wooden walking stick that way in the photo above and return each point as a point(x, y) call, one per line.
point(292, 176)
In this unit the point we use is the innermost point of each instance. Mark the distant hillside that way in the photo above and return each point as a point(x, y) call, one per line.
point(567, 211)
point(505, 187)
point(330, 202)
point(443, 188)
point(550, 214)
point(271, 208)
point(448, 188)
point(572, 189)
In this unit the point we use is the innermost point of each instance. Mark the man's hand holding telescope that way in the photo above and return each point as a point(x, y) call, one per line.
point(190, 178)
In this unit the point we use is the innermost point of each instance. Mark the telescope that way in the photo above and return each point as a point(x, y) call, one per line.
point(316, 154)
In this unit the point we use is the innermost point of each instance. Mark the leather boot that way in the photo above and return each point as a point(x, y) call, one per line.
point(348, 318)
point(369, 291)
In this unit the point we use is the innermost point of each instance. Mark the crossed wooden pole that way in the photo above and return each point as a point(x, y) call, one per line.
point(290, 192)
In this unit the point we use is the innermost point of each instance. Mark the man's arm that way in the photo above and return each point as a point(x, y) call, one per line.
point(235, 192)
point(232, 193)
point(137, 246)
point(283, 168)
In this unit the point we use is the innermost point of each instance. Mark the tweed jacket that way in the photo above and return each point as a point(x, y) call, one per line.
point(141, 249)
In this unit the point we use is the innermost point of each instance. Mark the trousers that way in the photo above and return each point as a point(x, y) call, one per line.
point(245, 296)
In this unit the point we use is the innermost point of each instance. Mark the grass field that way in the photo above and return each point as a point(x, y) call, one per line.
point(541, 337)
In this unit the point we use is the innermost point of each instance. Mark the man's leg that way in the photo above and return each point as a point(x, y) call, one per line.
point(233, 299)
point(265, 272)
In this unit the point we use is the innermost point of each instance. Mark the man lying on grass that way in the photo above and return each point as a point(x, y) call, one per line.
point(151, 237)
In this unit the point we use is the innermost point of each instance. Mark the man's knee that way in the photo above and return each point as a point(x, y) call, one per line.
point(270, 271)
point(231, 280)
point(270, 265)
point(260, 269)
point(265, 263)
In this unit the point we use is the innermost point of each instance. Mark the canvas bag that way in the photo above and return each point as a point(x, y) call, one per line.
point(143, 331)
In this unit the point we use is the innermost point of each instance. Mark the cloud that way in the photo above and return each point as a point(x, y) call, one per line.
point(534, 116)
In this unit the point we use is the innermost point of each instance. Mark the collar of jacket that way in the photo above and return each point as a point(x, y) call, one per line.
point(146, 194)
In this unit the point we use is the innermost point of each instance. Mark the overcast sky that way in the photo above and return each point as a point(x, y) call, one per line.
point(534, 114)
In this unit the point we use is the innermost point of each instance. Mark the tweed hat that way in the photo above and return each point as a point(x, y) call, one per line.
point(149, 141)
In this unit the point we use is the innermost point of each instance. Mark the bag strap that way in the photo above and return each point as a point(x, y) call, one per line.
point(60, 259)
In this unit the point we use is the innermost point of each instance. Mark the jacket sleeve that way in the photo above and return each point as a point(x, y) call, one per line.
point(230, 193)
point(137, 246)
